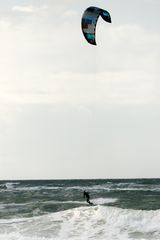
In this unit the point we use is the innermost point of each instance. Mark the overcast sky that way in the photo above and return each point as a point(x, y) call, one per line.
point(72, 110)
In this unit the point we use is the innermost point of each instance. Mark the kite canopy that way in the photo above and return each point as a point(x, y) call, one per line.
point(89, 21)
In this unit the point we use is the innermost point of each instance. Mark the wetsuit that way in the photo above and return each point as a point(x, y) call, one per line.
point(86, 195)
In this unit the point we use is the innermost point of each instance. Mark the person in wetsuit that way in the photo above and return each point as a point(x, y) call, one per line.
point(87, 197)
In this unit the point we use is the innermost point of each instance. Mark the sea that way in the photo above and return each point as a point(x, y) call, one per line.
point(123, 209)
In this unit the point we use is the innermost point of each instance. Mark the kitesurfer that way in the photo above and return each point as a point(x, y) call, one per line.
point(87, 197)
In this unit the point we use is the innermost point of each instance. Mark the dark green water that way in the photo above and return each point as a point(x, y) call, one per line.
point(33, 198)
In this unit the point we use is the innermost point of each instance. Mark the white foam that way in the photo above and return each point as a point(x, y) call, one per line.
point(102, 201)
point(11, 184)
point(95, 222)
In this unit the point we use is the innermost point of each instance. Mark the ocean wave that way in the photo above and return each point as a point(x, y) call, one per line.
point(8, 186)
point(29, 188)
point(96, 222)
point(97, 201)
point(11, 184)
point(108, 187)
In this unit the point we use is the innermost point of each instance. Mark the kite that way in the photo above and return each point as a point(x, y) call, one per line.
point(89, 22)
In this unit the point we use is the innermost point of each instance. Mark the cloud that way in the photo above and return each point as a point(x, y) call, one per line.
point(47, 60)
point(70, 13)
point(28, 8)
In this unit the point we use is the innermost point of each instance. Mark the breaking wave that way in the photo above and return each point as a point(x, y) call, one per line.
point(96, 222)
